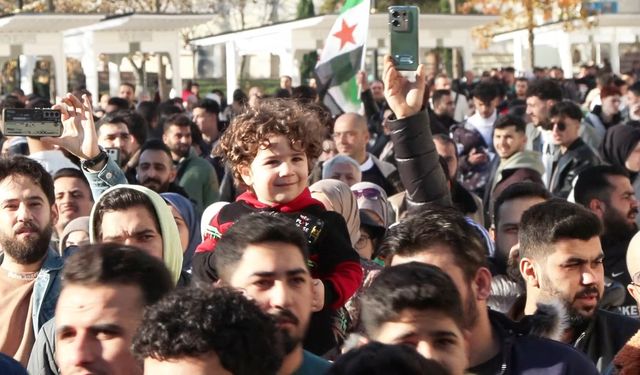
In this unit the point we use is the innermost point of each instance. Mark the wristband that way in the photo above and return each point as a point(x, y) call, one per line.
point(90, 163)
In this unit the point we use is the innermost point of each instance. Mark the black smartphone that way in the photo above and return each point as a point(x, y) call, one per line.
point(35, 122)
point(114, 154)
point(403, 34)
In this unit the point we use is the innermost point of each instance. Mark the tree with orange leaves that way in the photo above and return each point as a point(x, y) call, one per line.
point(525, 14)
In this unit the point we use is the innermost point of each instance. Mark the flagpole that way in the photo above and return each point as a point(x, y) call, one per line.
point(364, 47)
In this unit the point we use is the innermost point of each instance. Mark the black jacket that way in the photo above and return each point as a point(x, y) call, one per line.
point(418, 164)
point(579, 156)
point(524, 353)
point(605, 335)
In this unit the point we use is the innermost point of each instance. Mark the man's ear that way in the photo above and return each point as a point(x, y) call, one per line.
point(529, 272)
point(598, 207)
point(55, 215)
point(492, 233)
point(634, 293)
point(482, 282)
point(173, 173)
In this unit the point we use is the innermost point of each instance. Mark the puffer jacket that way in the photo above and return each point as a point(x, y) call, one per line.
point(524, 353)
point(418, 164)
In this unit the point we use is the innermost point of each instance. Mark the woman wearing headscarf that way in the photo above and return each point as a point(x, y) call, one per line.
point(188, 224)
point(75, 234)
point(373, 198)
point(336, 196)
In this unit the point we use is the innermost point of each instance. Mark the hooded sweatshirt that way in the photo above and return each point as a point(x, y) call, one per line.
point(520, 160)
point(172, 248)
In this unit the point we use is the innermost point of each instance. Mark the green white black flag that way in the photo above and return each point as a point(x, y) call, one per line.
point(342, 57)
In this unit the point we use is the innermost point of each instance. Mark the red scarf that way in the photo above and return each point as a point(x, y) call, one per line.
point(300, 202)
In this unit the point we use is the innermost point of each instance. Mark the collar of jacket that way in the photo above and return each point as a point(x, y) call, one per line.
point(52, 261)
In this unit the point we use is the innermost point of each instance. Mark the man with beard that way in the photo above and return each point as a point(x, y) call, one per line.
point(606, 191)
point(29, 268)
point(73, 196)
point(561, 259)
point(113, 132)
point(444, 238)
point(155, 169)
point(265, 256)
point(194, 173)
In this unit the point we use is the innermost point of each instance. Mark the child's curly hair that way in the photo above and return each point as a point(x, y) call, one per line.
point(250, 130)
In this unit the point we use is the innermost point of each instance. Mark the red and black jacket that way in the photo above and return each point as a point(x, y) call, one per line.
point(331, 256)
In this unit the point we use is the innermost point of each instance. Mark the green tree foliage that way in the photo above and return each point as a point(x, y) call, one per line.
point(305, 9)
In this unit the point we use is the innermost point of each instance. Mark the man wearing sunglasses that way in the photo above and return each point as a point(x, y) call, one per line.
point(575, 155)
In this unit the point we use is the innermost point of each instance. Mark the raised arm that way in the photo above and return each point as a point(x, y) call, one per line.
point(415, 152)
point(79, 137)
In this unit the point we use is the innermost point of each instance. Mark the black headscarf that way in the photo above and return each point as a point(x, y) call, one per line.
point(618, 143)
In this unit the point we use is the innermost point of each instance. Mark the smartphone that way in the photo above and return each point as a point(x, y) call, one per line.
point(114, 154)
point(35, 122)
point(403, 31)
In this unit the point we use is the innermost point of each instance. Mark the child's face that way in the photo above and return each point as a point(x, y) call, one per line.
point(278, 174)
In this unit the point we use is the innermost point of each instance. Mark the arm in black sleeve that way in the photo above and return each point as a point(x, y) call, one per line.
point(418, 165)
point(370, 106)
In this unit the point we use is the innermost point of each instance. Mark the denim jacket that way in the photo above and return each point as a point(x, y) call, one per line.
point(110, 175)
point(46, 289)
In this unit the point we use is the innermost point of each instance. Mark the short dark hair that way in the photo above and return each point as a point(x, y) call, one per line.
point(137, 124)
point(148, 110)
point(115, 264)
point(200, 321)
point(438, 95)
point(156, 145)
point(566, 108)
point(506, 121)
point(435, 225)
point(116, 117)
point(255, 229)
point(177, 119)
point(485, 91)
point(376, 358)
point(593, 183)
point(548, 222)
point(131, 85)
point(121, 104)
point(522, 79)
point(414, 285)
point(635, 88)
point(120, 200)
point(24, 166)
point(72, 173)
point(518, 190)
point(545, 89)
point(444, 139)
point(209, 106)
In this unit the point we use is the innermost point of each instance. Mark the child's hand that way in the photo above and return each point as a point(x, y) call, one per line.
point(318, 295)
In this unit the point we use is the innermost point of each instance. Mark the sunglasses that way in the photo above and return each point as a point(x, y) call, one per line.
point(368, 193)
point(561, 125)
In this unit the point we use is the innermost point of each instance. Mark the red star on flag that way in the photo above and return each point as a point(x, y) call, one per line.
point(345, 34)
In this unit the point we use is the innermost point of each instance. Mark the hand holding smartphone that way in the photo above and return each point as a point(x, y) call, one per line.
point(403, 31)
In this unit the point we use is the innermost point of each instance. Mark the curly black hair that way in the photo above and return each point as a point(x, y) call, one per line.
point(194, 322)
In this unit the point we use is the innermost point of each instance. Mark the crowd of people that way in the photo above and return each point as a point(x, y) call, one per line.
point(477, 226)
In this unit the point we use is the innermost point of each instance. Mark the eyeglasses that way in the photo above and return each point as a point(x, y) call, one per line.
point(635, 280)
point(368, 193)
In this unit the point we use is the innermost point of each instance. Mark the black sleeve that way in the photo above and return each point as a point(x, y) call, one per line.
point(418, 165)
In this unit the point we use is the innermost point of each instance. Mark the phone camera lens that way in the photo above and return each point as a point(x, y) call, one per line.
point(395, 14)
point(395, 23)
